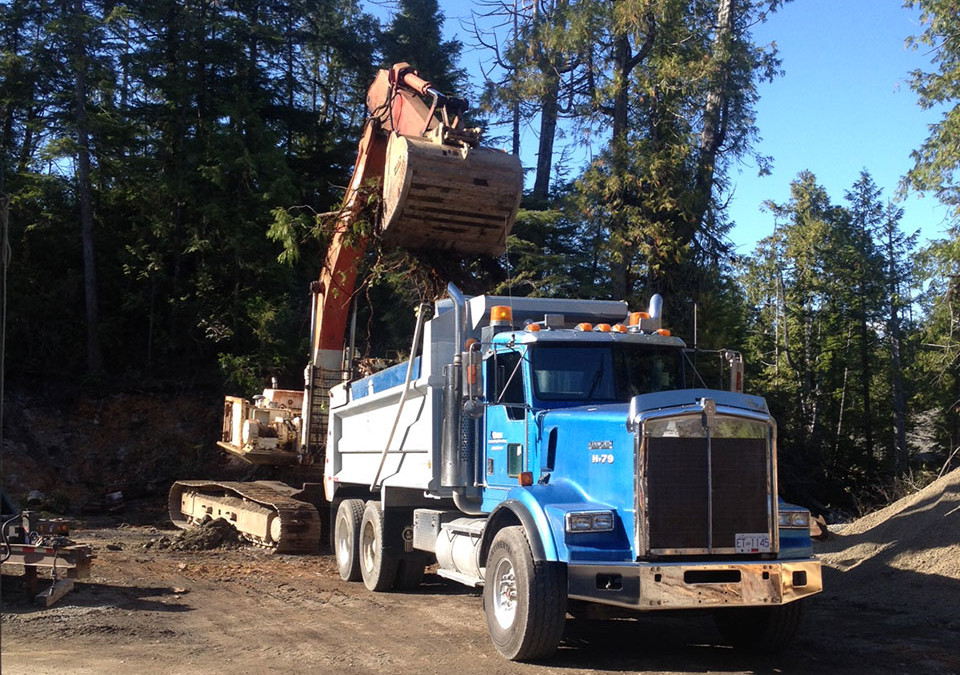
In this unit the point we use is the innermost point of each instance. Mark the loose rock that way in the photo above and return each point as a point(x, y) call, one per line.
point(212, 534)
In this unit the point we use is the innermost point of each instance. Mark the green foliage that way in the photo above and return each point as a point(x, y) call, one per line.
point(936, 166)
point(672, 84)
point(414, 36)
point(938, 359)
point(547, 257)
point(828, 292)
point(937, 160)
point(204, 126)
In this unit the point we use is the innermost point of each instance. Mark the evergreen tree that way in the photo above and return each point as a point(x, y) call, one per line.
point(937, 161)
point(673, 84)
point(415, 37)
point(795, 339)
point(168, 132)
point(897, 249)
point(859, 281)
point(936, 164)
point(829, 292)
point(938, 395)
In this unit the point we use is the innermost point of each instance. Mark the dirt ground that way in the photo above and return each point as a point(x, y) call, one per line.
point(892, 588)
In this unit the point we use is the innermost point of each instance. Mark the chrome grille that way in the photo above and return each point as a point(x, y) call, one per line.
point(699, 490)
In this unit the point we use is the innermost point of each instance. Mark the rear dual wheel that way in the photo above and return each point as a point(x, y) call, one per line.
point(358, 546)
point(377, 567)
point(346, 538)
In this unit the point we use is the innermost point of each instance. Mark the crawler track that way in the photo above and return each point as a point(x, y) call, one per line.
point(299, 522)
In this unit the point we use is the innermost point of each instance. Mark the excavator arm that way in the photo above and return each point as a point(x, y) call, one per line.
point(439, 189)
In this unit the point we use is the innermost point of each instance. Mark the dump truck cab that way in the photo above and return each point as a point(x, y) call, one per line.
point(540, 387)
point(578, 419)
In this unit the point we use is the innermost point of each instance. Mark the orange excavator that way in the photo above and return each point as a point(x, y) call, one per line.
point(439, 190)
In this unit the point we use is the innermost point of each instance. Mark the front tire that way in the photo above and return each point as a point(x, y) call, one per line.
point(525, 600)
point(763, 630)
point(378, 569)
point(346, 538)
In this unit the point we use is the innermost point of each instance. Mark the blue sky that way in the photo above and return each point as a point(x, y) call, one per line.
point(844, 104)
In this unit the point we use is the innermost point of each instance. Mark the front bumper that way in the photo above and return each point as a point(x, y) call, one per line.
point(678, 585)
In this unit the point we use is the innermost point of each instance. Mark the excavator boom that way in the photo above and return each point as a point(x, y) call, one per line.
point(439, 190)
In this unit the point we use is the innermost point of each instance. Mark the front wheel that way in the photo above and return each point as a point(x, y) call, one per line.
point(525, 601)
point(764, 630)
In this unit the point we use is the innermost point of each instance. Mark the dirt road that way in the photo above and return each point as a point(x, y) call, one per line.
point(146, 610)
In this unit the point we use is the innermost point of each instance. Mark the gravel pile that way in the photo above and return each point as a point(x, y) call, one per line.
point(904, 557)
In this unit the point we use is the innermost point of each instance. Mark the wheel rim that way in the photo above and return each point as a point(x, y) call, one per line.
point(368, 547)
point(505, 594)
point(343, 542)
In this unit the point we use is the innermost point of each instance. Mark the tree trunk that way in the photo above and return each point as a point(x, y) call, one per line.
point(619, 264)
point(27, 150)
point(515, 107)
point(84, 191)
point(843, 396)
point(866, 381)
point(713, 133)
point(894, 330)
point(549, 109)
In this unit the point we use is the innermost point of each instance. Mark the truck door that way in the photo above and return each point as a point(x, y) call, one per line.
point(506, 451)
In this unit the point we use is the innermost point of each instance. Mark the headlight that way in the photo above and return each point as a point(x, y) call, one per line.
point(589, 521)
point(797, 520)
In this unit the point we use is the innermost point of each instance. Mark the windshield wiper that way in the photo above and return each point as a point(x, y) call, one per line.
point(510, 379)
point(596, 381)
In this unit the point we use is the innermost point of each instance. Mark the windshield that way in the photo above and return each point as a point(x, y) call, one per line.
point(607, 372)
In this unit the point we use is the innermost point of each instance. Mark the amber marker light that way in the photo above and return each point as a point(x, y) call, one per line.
point(586, 327)
point(664, 332)
point(525, 478)
point(501, 315)
point(636, 316)
point(532, 328)
point(602, 328)
point(619, 328)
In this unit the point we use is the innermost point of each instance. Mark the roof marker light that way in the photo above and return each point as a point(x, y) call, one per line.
point(501, 315)
point(602, 328)
point(664, 332)
point(532, 328)
point(619, 328)
point(587, 327)
point(636, 316)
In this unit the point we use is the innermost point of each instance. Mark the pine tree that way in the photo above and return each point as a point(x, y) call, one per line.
point(414, 36)
point(937, 161)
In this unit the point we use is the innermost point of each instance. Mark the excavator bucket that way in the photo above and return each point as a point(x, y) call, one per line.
point(442, 197)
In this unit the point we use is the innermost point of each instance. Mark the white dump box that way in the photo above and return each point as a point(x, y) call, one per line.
point(363, 412)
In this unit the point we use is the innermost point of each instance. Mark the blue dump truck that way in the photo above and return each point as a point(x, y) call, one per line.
point(553, 452)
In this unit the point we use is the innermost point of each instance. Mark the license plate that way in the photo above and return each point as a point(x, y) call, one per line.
point(752, 543)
